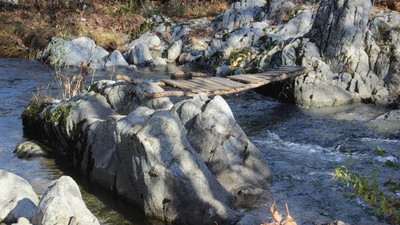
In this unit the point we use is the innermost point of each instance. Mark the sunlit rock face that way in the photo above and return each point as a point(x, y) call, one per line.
point(62, 203)
point(187, 162)
point(17, 198)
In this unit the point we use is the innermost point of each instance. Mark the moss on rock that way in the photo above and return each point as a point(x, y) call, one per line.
point(31, 116)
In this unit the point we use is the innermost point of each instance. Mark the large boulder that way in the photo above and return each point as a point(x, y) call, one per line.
point(158, 169)
point(17, 198)
point(148, 153)
point(388, 123)
point(240, 14)
point(140, 55)
point(62, 204)
point(214, 134)
point(115, 60)
point(61, 53)
point(339, 29)
point(148, 38)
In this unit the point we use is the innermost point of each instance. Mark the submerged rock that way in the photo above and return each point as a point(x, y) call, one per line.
point(388, 123)
point(17, 198)
point(29, 149)
point(62, 204)
point(189, 162)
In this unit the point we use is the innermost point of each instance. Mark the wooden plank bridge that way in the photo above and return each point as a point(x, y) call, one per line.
point(222, 86)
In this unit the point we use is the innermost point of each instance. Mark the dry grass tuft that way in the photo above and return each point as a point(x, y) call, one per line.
point(388, 4)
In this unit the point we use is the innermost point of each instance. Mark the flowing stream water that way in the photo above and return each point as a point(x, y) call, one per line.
point(303, 147)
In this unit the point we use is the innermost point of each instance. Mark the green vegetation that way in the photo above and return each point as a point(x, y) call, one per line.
point(385, 204)
point(239, 55)
point(60, 114)
point(380, 151)
point(31, 117)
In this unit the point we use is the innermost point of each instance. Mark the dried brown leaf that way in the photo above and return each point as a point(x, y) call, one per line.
point(275, 214)
point(289, 219)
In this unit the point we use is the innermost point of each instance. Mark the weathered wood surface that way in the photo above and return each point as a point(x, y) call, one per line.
point(228, 85)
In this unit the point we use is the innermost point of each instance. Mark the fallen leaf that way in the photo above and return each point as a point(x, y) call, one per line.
point(275, 214)
point(289, 219)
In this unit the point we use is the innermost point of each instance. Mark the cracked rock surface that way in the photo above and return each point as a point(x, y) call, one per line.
point(187, 162)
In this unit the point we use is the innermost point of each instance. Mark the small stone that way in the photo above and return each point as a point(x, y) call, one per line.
point(158, 62)
point(175, 50)
point(140, 55)
point(184, 58)
point(179, 75)
point(223, 71)
point(115, 59)
point(29, 149)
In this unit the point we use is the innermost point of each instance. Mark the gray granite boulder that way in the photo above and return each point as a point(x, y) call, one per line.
point(174, 51)
point(240, 14)
point(388, 123)
point(140, 55)
point(339, 29)
point(61, 53)
point(116, 59)
point(147, 152)
point(214, 134)
point(62, 204)
point(148, 38)
point(158, 168)
point(158, 62)
point(17, 198)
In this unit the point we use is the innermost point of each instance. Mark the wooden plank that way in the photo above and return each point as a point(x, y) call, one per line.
point(133, 81)
point(227, 82)
point(211, 82)
point(194, 87)
point(183, 84)
point(246, 78)
point(206, 84)
point(289, 68)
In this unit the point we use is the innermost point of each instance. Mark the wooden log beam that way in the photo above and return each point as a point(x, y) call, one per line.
point(133, 81)
point(249, 86)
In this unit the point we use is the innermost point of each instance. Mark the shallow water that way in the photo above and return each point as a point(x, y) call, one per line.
point(303, 147)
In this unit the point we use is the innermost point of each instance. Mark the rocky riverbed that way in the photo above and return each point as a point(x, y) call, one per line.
point(352, 48)
point(164, 154)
